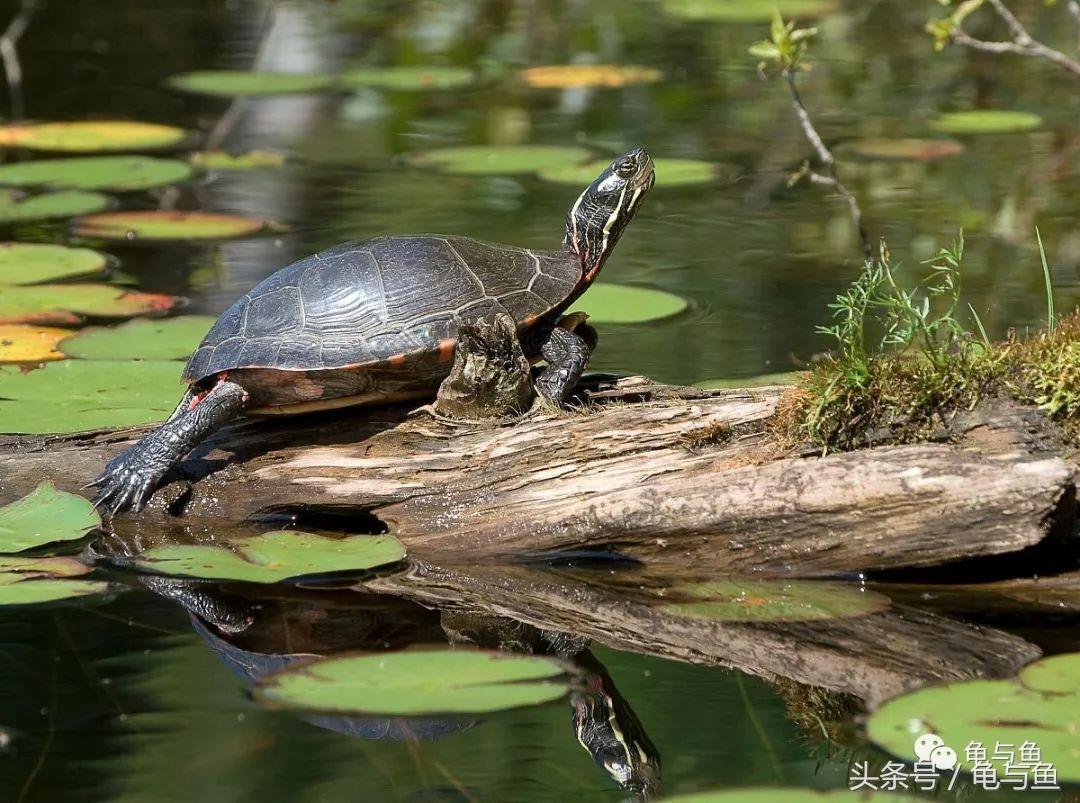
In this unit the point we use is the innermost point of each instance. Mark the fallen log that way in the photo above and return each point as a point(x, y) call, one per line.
point(659, 473)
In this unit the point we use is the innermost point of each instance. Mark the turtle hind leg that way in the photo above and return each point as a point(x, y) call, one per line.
point(567, 353)
point(130, 478)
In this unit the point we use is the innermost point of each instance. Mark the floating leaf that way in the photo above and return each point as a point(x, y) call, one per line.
point(45, 516)
point(123, 173)
point(67, 303)
point(774, 601)
point(568, 76)
point(22, 343)
point(618, 303)
point(165, 225)
point(409, 79)
point(91, 136)
point(273, 557)
point(250, 160)
point(33, 263)
point(915, 150)
point(498, 159)
point(763, 794)
point(416, 682)
point(228, 83)
point(746, 10)
point(16, 206)
point(1059, 674)
point(763, 380)
point(77, 395)
point(986, 121)
point(163, 339)
point(15, 591)
point(988, 711)
point(669, 172)
point(42, 567)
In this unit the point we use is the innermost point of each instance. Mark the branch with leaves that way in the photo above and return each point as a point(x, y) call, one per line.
point(786, 50)
point(950, 30)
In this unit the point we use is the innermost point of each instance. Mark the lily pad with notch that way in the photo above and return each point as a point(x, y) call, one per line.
point(122, 173)
point(167, 225)
point(416, 682)
point(273, 557)
point(70, 303)
point(773, 601)
point(35, 263)
point(618, 303)
point(91, 136)
point(141, 339)
point(44, 516)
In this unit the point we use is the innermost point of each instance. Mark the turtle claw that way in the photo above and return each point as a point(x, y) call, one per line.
point(125, 485)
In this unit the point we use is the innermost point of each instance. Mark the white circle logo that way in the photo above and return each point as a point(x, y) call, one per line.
point(943, 757)
point(926, 744)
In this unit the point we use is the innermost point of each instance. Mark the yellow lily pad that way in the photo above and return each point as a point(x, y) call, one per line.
point(24, 343)
point(570, 76)
point(91, 136)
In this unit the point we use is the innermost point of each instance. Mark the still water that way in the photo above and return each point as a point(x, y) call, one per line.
point(127, 700)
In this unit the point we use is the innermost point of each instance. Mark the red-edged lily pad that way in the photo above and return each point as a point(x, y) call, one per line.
point(167, 225)
point(70, 303)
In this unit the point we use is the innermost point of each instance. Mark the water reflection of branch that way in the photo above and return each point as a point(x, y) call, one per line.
point(1022, 44)
point(829, 178)
point(9, 53)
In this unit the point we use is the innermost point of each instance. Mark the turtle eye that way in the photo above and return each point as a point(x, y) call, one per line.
point(626, 168)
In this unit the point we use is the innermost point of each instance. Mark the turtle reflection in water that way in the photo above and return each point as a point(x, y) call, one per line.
point(257, 637)
point(379, 320)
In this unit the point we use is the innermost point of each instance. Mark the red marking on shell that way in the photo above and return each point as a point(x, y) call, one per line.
point(446, 349)
point(397, 359)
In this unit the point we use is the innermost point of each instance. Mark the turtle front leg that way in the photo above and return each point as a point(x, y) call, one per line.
point(567, 353)
point(131, 477)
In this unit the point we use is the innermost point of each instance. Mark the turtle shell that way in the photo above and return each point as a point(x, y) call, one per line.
point(371, 304)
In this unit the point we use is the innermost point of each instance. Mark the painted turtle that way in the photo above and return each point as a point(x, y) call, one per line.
point(378, 320)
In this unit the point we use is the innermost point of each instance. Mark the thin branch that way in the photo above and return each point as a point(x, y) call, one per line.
point(1022, 44)
point(830, 178)
point(9, 54)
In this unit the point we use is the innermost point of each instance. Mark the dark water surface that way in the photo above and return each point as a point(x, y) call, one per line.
point(124, 701)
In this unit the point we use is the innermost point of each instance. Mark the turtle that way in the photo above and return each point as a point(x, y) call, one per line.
point(377, 321)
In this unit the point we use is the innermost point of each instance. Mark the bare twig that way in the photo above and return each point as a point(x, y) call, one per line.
point(1022, 44)
point(828, 161)
point(9, 54)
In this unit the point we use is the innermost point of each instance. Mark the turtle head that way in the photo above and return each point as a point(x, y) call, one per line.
point(599, 215)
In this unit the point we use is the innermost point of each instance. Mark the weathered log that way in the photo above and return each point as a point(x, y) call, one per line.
point(659, 473)
point(873, 656)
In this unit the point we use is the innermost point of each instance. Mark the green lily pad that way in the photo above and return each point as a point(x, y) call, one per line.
point(409, 79)
point(163, 339)
point(34, 263)
point(571, 76)
point(763, 794)
point(498, 159)
point(67, 303)
point(45, 516)
point(17, 206)
point(22, 343)
point(417, 682)
point(81, 395)
point(123, 173)
point(617, 303)
point(669, 172)
point(1058, 674)
point(273, 557)
point(92, 136)
point(166, 225)
point(250, 160)
point(764, 380)
point(988, 711)
point(42, 567)
point(745, 10)
point(907, 149)
point(228, 83)
point(774, 601)
point(986, 121)
point(15, 591)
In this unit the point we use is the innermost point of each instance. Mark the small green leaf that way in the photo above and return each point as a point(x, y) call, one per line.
point(765, 50)
point(228, 83)
point(33, 592)
point(34, 263)
point(124, 173)
point(45, 516)
point(416, 682)
point(17, 206)
point(616, 303)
